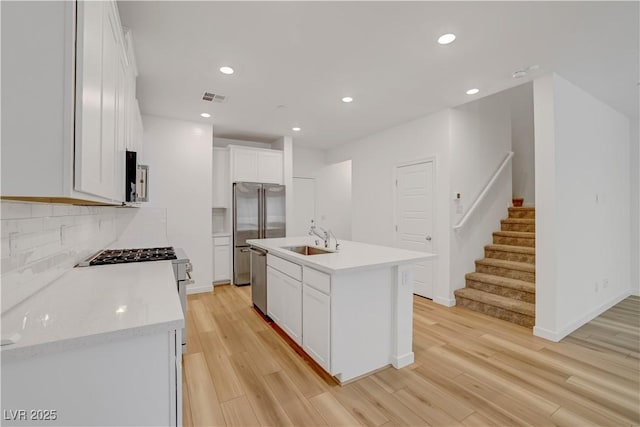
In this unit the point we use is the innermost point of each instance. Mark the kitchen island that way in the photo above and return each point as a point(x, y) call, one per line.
point(351, 310)
point(99, 346)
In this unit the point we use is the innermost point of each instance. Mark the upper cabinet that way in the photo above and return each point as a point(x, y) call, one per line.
point(256, 165)
point(221, 185)
point(68, 67)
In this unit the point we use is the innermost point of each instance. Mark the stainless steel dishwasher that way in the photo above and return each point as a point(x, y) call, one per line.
point(259, 279)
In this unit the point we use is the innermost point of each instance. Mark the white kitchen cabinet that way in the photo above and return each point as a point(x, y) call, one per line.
point(284, 298)
point(100, 75)
point(256, 165)
point(270, 165)
point(65, 63)
point(275, 296)
point(221, 183)
point(128, 381)
point(221, 259)
point(292, 324)
point(316, 316)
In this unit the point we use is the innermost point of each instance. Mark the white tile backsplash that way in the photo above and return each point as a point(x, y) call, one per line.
point(41, 241)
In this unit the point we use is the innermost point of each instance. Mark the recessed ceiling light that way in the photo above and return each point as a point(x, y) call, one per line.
point(519, 74)
point(226, 70)
point(205, 115)
point(347, 99)
point(473, 91)
point(296, 129)
point(446, 38)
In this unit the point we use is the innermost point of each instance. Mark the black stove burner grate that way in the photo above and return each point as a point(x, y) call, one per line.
point(121, 256)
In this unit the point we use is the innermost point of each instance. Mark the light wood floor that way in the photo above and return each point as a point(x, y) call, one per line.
point(470, 370)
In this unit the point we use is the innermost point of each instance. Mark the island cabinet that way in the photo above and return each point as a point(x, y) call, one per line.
point(350, 310)
point(70, 65)
point(284, 296)
point(316, 316)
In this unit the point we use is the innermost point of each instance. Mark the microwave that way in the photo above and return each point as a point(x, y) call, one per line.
point(136, 179)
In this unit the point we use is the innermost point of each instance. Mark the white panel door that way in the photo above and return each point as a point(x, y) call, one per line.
point(414, 219)
point(304, 206)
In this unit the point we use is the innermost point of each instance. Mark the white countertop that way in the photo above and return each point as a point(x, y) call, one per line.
point(92, 305)
point(351, 255)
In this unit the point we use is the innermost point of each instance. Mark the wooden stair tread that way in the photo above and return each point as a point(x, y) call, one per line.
point(522, 208)
point(512, 248)
point(518, 221)
point(505, 303)
point(518, 234)
point(506, 282)
point(512, 265)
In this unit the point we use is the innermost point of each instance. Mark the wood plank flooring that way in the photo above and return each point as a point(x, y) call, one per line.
point(470, 369)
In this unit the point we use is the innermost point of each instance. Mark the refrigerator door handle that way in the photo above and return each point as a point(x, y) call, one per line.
point(234, 213)
point(262, 212)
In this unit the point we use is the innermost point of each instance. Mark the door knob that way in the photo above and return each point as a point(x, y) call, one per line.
point(428, 238)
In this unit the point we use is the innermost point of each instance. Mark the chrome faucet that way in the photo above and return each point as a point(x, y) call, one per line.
point(324, 235)
point(335, 238)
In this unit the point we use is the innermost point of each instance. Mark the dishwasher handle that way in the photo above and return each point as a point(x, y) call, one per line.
point(258, 252)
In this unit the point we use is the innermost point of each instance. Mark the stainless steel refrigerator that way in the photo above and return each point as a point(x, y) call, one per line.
point(258, 213)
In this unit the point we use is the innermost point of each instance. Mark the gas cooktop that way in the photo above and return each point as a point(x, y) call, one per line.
point(121, 256)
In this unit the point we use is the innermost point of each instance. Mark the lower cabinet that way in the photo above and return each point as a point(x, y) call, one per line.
point(221, 259)
point(133, 380)
point(284, 302)
point(299, 301)
point(316, 321)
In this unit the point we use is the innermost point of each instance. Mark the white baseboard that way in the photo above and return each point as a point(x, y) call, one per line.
point(447, 302)
point(402, 361)
point(566, 330)
point(199, 289)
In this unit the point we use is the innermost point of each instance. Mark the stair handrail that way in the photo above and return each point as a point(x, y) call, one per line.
point(484, 191)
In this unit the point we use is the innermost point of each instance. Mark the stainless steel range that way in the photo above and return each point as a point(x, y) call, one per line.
point(182, 269)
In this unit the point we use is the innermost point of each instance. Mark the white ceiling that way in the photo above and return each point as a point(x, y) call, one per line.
point(307, 55)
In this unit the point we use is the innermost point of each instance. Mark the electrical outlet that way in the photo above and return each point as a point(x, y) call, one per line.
point(605, 283)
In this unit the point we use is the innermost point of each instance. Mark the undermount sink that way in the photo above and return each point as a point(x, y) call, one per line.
point(307, 250)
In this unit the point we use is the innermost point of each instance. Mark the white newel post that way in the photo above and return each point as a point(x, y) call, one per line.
point(402, 351)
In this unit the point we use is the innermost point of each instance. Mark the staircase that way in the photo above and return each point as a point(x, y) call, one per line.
point(503, 284)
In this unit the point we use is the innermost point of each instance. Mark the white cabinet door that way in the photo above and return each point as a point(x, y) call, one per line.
point(99, 79)
point(245, 166)
point(270, 167)
point(221, 263)
point(274, 296)
point(89, 69)
point(292, 323)
point(316, 310)
point(220, 178)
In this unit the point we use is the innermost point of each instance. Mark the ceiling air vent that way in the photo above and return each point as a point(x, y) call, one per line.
point(215, 97)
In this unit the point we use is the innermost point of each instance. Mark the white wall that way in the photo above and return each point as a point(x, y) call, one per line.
point(307, 161)
point(334, 199)
point(582, 152)
point(179, 155)
point(374, 159)
point(522, 142)
point(635, 207)
point(285, 144)
point(480, 141)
